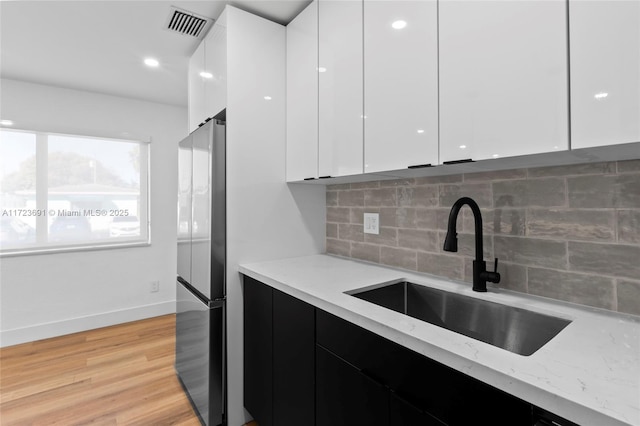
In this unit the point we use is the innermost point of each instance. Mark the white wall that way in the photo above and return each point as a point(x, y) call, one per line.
point(266, 219)
point(49, 295)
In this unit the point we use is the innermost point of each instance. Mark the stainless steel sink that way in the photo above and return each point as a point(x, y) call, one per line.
point(514, 329)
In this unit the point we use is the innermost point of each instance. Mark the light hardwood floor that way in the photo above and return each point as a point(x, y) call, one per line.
point(120, 375)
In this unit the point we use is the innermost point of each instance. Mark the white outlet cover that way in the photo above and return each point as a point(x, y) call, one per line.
point(372, 223)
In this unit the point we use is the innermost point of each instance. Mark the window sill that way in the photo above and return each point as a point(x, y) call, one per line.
point(69, 249)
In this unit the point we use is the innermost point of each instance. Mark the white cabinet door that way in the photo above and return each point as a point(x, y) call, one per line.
point(340, 87)
point(216, 69)
point(196, 85)
point(503, 78)
point(302, 95)
point(400, 84)
point(605, 72)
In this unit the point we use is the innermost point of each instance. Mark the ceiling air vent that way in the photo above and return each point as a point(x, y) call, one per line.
point(187, 23)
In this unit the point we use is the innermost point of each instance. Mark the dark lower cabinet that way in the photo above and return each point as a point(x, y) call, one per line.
point(258, 351)
point(440, 392)
point(345, 396)
point(304, 366)
point(279, 356)
point(293, 361)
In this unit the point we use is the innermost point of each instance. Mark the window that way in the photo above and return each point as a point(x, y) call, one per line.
point(62, 191)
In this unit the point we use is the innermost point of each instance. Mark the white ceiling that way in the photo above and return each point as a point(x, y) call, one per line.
point(99, 46)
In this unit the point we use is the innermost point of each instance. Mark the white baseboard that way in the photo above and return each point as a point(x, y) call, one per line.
point(60, 328)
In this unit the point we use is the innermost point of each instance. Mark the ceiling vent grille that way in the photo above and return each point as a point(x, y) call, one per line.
point(187, 23)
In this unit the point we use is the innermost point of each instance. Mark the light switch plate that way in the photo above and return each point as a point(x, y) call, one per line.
point(372, 223)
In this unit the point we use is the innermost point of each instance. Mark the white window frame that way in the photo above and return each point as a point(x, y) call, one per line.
point(42, 195)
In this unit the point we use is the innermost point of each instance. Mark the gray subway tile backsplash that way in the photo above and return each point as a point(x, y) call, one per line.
point(418, 196)
point(387, 237)
point(496, 175)
point(571, 233)
point(369, 252)
point(547, 192)
point(350, 232)
point(629, 226)
point(351, 197)
point(573, 169)
point(571, 224)
point(381, 197)
point(399, 257)
point(629, 166)
point(421, 240)
point(446, 265)
point(628, 296)
point(480, 192)
point(615, 191)
point(531, 251)
point(587, 289)
point(616, 260)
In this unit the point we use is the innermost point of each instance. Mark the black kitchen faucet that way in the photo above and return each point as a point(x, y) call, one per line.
point(480, 273)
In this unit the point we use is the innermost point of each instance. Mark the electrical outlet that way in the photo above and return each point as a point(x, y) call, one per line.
point(372, 223)
point(154, 287)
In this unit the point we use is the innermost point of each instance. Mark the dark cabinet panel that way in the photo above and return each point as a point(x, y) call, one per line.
point(347, 397)
point(258, 351)
point(430, 386)
point(279, 356)
point(293, 361)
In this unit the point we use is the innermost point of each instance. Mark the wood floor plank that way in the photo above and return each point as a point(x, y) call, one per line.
point(120, 375)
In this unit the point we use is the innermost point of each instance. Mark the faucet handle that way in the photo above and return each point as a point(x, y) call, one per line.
point(494, 276)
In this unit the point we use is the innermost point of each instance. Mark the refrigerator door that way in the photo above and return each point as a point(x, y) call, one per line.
point(209, 211)
point(184, 208)
point(200, 348)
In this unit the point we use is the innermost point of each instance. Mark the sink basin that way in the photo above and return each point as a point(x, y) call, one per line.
point(514, 329)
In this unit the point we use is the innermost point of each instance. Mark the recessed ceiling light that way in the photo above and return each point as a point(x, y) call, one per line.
point(151, 62)
point(322, 69)
point(267, 98)
point(398, 25)
point(6, 122)
point(420, 131)
point(496, 155)
point(601, 95)
point(205, 74)
point(463, 146)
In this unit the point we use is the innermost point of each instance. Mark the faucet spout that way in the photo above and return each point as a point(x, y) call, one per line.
point(480, 273)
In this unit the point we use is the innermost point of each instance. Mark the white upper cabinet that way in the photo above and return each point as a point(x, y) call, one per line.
point(340, 115)
point(400, 84)
point(302, 95)
point(605, 72)
point(208, 75)
point(196, 87)
point(215, 75)
point(503, 78)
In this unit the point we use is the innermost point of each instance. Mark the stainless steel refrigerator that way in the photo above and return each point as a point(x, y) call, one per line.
point(200, 288)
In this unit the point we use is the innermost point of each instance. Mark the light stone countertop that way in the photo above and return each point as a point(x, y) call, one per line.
point(589, 373)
